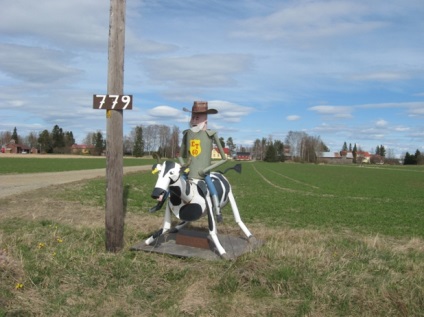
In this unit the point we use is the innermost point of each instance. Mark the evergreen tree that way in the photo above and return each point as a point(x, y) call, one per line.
point(271, 153)
point(138, 150)
point(221, 140)
point(45, 142)
point(344, 148)
point(231, 145)
point(99, 144)
point(15, 136)
point(407, 160)
point(382, 150)
point(377, 150)
point(69, 139)
point(279, 148)
point(354, 153)
point(58, 139)
point(418, 158)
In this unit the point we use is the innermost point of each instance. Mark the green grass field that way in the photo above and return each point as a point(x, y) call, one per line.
point(339, 241)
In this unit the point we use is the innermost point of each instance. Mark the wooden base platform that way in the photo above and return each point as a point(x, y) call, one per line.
point(190, 243)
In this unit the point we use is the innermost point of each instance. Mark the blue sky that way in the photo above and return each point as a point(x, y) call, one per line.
point(346, 71)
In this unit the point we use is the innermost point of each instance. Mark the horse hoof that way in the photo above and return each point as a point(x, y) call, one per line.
point(225, 256)
point(253, 240)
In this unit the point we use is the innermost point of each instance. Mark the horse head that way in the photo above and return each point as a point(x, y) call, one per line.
point(168, 173)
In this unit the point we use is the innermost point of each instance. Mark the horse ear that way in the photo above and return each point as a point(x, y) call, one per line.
point(157, 157)
point(156, 168)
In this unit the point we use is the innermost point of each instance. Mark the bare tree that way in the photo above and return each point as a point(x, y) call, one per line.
point(151, 139)
point(294, 140)
point(175, 141)
point(31, 139)
point(5, 137)
point(129, 143)
point(164, 140)
point(256, 150)
point(90, 138)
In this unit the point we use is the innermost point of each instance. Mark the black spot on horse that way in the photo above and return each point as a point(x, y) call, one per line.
point(175, 195)
point(191, 212)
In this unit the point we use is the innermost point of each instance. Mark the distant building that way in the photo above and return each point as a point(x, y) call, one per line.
point(344, 157)
point(217, 156)
point(15, 148)
point(243, 156)
point(82, 149)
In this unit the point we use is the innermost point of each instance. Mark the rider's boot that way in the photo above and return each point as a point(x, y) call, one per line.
point(216, 208)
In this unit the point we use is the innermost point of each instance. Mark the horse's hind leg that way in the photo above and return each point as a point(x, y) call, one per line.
point(237, 217)
point(178, 227)
point(163, 230)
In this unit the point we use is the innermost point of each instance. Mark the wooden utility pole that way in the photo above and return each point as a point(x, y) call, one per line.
point(114, 139)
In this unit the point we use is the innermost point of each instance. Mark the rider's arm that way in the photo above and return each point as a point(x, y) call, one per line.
point(183, 149)
point(221, 151)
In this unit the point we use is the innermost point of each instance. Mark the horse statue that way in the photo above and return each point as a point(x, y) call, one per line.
point(189, 200)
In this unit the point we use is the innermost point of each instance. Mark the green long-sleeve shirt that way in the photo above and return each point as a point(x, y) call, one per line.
point(198, 147)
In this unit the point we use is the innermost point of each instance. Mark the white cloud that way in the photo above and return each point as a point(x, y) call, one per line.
point(293, 118)
point(381, 123)
point(164, 111)
point(382, 76)
point(341, 112)
point(401, 129)
point(230, 112)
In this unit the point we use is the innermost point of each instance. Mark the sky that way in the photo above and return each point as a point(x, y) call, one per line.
point(345, 71)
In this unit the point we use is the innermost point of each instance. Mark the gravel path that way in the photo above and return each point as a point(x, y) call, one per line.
point(12, 184)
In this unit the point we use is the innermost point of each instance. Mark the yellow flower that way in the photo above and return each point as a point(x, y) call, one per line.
point(41, 245)
point(54, 254)
point(19, 285)
point(59, 240)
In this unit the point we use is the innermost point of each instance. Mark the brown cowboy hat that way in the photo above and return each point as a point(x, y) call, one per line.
point(201, 107)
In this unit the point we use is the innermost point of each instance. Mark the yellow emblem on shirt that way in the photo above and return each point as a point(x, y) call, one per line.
point(195, 148)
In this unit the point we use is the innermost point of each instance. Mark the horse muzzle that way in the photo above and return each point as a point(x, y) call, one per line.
point(157, 192)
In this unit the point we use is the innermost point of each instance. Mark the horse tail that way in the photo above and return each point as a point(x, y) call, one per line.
point(236, 167)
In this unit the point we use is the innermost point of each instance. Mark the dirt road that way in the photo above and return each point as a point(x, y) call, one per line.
point(13, 184)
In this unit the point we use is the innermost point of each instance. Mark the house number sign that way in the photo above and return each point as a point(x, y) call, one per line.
point(112, 102)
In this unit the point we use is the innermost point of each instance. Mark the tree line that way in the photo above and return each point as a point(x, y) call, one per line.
point(165, 141)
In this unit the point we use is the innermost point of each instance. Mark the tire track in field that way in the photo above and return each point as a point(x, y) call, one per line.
point(306, 193)
point(293, 180)
point(289, 189)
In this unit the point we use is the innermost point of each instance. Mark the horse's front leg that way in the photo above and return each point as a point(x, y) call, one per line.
point(213, 234)
point(165, 228)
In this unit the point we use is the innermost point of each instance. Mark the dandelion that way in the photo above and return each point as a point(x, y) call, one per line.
point(41, 245)
point(19, 285)
point(59, 240)
point(54, 254)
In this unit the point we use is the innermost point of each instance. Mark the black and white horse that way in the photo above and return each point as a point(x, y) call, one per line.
point(190, 200)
